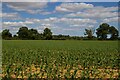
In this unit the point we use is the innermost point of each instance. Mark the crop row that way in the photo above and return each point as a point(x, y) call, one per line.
point(60, 59)
point(59, 63)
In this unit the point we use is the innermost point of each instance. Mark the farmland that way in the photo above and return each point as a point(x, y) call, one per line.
point(59, 59)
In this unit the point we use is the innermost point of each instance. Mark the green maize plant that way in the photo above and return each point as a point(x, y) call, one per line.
point(69, 59)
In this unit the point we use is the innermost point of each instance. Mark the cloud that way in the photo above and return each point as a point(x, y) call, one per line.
point(76, 17)
point(77, 21)
point(62, 25)
point(10, 16)
point(14, 26)
point(102, 9)
point(84, 10)
point(54, 23)
point(82, 26)
point(113, 19)
point(72, 7)
point(30, 7)
point(68, 21)
point(26, 5)
point(20, 23)
point(95, 12)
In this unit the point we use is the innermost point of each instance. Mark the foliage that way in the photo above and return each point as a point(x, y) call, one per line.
point(60, 59)
point(23, 33)
point(114, 32)
point(47, 34)
point(105, 29)
point(61, 37)
point(89, 32)
point(32, 34)
point(27, 34)
point(6, 34)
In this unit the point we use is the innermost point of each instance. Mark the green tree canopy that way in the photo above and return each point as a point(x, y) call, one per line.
point(105, 29)
point(47, 34)
point(89, 33)
point(6, 34)
point(114, 32)
point(23, 33)
point(33, 34)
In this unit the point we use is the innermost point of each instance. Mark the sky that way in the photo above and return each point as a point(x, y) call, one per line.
point(67, 18)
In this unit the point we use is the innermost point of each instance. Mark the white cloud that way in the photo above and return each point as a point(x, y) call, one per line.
point(10, 16)
point(26, 5)
point(93, 15)
point(43, 26)
point(46, 24)
point(63, 25)
point(68, 21)
point(82, 26)
point(56, 28)
point(30, 7)
point(77, 21)
point(9, 24)
point(78, 16)
point(102, 9)
point(42, 21)
point(95, 12)
point(14, 26)
point(85, 10)
point(72, 7)
point(113, 19)
point(57, 25)
point(62, 9)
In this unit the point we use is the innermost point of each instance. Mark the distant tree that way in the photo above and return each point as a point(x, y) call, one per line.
point(33, 34)
point(23, 33)
point(47, 34)
point(114, 33)
point(89, 33)
point(6, 34)
point(61, 37)
point(15, 37)
point(40, 36)
point(105, 29)
point(102, 31)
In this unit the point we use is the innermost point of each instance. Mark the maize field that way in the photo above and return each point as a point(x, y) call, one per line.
point(59, 59)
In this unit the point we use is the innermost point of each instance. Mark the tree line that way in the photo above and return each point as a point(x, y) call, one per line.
point(32, 34)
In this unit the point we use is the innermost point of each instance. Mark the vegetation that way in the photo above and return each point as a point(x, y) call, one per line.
point(47, 34)
point(105, 29)
point(32, 34)
point(90, 33)
point(30, 54)
point(60, 59)
point(6, 34)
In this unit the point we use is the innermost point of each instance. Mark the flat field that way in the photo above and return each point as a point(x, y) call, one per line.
point(59, 59)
